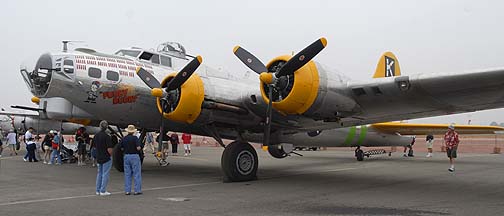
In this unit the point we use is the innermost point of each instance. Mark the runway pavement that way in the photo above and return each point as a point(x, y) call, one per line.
point(319, 183)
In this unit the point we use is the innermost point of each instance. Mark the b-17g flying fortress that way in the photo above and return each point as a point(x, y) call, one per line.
point(258, 114)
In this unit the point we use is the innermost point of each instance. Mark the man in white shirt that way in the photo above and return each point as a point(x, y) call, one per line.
point(11, 141)
point(28, 135)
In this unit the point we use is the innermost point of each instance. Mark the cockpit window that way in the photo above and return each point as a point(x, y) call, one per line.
point(112, 76)
point(132, 53)
point(68, 66)
point(94, 73)
point(155, 59)
point(166, 61)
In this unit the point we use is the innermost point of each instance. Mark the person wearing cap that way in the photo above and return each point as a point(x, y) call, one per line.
point(430, 144)
point(56, 146)
point(451, 140)
point(131, 147)
point(103, 144)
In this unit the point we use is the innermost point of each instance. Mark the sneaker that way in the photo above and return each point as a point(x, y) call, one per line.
point(25, 159)
point(137, 193)
point(49, 163)
point(405, 155)
point(45, 162)
point(127, 193)
point(106, 193)
point(185, 155)
point(451, 169)
point(97, 193)
point(58, 164)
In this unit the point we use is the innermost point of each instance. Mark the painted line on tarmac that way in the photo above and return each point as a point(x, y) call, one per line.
point(94, 195)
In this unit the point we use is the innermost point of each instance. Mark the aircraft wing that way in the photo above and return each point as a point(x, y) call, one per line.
point(18, 114)
point(424, 129)
point(422, 95)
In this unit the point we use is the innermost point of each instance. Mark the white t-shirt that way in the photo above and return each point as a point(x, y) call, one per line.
point(27, 136)
point(11, 138)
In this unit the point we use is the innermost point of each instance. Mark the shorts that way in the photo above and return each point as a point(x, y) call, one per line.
point(47, 148)
point(187, 146)
point(430, 144)
point(451, 152)
point(81, 149)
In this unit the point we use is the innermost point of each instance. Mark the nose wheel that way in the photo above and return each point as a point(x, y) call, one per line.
point(239, 162)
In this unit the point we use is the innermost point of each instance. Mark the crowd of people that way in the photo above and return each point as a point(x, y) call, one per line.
point(97, 149)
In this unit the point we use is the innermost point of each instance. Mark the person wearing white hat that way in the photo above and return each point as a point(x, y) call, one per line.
point(451, 140)
point(132, 167)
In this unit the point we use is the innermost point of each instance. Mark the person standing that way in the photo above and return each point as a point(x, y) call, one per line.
point(174, 140)
point(430, 143)
point(149, 141)
point(28, 135)
point(130, 144)
point(82, 138)
point(56, 146)
point(92, 149)
point(11, 141)
point(46, 145)
point(103, 143)
point(186, 139)
point(452, 141)
point(31, 147)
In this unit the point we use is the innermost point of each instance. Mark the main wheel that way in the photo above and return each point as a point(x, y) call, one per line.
point(239, 162)
point(359, 154)
point(276, 151)
point(118, 158)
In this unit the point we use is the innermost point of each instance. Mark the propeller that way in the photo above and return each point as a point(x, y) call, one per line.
point(277, 80)
point(168, 95)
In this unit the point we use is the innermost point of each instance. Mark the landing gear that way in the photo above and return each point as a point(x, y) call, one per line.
point(117, 158)
point(239, 162)
point(277, 151)
point(359, 154)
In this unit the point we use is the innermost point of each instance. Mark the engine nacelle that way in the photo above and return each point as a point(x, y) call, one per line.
point(299, 90)
point(188, 100)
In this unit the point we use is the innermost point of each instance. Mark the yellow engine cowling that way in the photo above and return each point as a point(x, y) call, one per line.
point(191, 97)
point(303, 93)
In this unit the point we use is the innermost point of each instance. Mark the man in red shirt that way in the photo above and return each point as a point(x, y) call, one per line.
point(186, 139)
point(451, 140)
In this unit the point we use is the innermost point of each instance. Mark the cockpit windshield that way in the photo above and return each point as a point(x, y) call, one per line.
point(130, 53)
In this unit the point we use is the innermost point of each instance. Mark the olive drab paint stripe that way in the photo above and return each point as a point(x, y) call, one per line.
point(350, 136)
point(362, 136)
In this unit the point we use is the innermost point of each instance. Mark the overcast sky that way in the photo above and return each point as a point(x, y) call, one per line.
point(426, 36)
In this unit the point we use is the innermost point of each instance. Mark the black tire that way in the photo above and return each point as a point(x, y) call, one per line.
point(277, 152)
point(118, 158)
point(359, 154)
point(239, 162)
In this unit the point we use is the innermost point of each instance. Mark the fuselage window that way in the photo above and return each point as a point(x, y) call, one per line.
point(112, 76)
point(166, 61)
point(68, 66)
point(94, 73)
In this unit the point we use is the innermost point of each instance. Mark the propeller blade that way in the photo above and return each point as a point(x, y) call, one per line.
point(301, 58)
point(148, 78)
point(267, 127)
point(250, 60)
point(184, 74)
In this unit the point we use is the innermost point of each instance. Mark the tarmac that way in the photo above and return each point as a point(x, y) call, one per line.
point(319, 183)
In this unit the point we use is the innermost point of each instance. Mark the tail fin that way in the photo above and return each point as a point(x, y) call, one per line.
point(388, 66)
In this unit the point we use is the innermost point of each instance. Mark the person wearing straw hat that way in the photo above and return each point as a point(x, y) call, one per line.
point(132, 167)
point(451, 140)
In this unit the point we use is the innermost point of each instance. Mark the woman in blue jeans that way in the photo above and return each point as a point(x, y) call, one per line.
point(132, 167)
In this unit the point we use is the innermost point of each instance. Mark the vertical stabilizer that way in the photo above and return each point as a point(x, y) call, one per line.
point(388, 66)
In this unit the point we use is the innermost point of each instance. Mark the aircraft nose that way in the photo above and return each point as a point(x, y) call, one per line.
point(38, 77)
